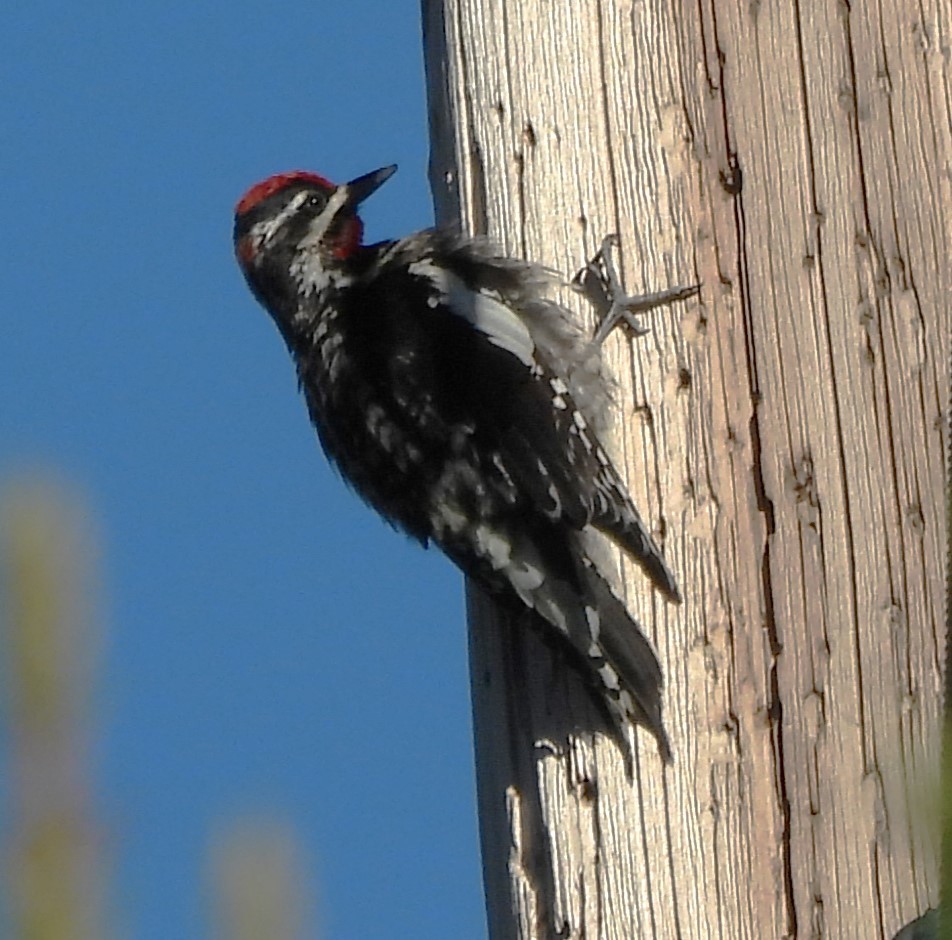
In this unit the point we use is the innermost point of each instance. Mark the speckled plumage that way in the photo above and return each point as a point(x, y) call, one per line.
point(462, 404)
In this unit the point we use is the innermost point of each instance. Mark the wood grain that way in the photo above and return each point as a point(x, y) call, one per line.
point(785, 436)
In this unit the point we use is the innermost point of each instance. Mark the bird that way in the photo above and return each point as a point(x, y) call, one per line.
point(460, 400)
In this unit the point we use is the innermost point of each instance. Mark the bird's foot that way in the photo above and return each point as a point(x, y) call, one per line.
point(598, 282)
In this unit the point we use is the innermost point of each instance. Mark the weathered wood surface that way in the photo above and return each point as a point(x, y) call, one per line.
point(784, 435)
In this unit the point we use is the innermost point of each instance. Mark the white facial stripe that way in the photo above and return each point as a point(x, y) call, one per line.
point(264, 231)
point(497, 322)
point(319, 226)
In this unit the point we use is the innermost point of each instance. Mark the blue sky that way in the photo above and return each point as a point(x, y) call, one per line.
point(272, 646)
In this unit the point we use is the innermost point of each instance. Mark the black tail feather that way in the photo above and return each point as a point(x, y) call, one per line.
point(627, 650)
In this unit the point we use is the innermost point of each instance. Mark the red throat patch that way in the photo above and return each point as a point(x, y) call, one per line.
point(351, 235)
point(274, 184)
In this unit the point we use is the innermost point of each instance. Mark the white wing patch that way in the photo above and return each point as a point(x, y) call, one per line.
point(501, 325)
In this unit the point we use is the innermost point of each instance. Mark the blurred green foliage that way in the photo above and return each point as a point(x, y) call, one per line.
point(56, 867)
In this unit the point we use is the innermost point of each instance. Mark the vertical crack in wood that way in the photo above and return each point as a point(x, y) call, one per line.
point(764, 503)
point(776, 647)
point(765, 506)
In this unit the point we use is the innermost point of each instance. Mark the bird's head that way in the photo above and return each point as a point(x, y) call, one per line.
point(299, 227)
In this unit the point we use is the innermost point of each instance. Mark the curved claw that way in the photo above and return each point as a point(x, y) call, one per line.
point(599, 283)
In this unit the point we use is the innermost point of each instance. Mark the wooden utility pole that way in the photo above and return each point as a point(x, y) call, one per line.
point(784, 435)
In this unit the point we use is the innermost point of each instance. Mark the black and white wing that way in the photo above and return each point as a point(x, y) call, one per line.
point(521, 475)
point(546, 438)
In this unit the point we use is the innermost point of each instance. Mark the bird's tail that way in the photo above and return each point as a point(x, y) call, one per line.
point(624, 661)
point(555, 578)
point(621, 661)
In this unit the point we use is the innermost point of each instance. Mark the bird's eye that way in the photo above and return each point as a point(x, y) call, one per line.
point(315, 202)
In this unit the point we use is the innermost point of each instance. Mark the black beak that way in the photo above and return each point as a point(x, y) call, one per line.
point(362, 187)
